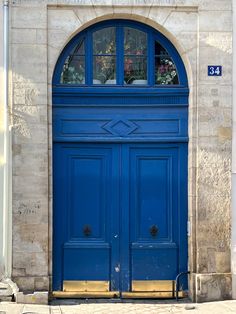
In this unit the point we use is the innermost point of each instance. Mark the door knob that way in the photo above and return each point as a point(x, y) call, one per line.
point(87, 230)
point(153, 230)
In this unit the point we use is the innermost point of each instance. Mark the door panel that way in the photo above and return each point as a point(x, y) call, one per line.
point(87, 197)
point(150, 186)
point(154, 263)
point(156, 194)
point(149, 123)
point(89, 263)
point(87, 204)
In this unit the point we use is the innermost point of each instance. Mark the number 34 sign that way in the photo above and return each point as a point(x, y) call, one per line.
point(214, 70)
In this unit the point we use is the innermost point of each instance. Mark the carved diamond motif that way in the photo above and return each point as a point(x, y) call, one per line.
point(120, 127)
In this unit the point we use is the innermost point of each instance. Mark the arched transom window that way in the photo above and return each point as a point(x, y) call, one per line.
point(120, 53)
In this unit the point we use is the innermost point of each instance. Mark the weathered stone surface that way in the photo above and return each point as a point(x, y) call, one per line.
point(30, 211)
point(24, 36)
point(41, 283)
point(220, 40)
point(34, 298)
point(65, 20)
point(215, 5)
point(209, 21)
point(213, 215)
point(103, 10)
point(180, 21)
point(27, 93)
point(212, 287)
point(5, 290)
point(29, 63)
point(32, 238)
point(29, 17)
point(215, 96)
point(26, 282)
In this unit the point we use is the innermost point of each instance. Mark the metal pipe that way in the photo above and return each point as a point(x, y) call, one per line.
point(6, 242)
point(177, 283)
point(233, 191)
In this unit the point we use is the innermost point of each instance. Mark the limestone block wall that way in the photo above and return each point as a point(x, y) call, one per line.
point(201, 30)
point(29, 117)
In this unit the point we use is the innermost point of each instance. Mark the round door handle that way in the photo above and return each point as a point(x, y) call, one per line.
point(153, 230)
point(87, 230)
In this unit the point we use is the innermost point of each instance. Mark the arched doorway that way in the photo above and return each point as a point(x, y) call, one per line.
point(120, 134)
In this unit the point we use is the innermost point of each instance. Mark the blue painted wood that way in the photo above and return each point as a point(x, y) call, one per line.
point(119, 167)
point(121, 123)
point(88, 58)
point(114, 96)
point(155, 195)
point(120, 55)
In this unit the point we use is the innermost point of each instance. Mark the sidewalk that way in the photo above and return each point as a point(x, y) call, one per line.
point(132, 307)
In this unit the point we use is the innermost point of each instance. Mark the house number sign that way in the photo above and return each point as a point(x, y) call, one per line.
point(214, 70)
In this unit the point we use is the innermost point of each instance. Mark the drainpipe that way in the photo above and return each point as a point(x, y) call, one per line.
point(233, 193)
point(6, 209)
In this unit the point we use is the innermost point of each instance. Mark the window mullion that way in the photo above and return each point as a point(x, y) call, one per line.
point(89, 58)
point(151, 59)
point(120, 55)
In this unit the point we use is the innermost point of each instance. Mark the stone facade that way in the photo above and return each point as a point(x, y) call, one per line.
point(201, 30)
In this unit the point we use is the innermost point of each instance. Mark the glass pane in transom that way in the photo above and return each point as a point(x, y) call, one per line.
point(135, 70)
point(104, 70)
point(73, 71)
point(104, 41)
point(165, 69)
point(135, 42)
point(135, 56)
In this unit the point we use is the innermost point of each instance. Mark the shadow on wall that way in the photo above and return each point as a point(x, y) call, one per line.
point(26, 113)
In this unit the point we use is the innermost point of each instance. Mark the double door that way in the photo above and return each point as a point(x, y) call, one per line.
point(120, 218)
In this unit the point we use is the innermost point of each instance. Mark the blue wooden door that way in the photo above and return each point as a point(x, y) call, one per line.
point(154, 212)
point(120, 215)
point(87, 218)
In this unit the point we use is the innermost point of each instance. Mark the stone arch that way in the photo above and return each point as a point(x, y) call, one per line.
point(133, 17)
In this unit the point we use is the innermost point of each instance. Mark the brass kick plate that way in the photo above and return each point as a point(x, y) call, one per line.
point(85, 295)
point(151, 295)
point(152, 289)
point(85, 286)
point(153, 285)
point(146, 289)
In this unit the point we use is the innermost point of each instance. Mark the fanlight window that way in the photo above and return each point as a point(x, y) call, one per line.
point(104, 56)
point(74, 67)
point(165, 69)
point(135, 56)
point(119, 55)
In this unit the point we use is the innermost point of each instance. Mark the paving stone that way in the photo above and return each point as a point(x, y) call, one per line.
point(131, 307)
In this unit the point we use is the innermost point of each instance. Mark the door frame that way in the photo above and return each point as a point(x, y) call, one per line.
point(173, 96)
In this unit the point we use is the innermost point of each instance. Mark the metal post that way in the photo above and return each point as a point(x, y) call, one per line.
point(177, 283)
point(233, 191)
